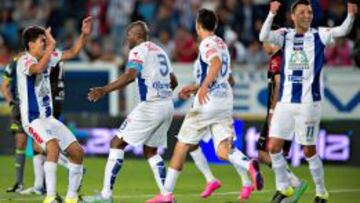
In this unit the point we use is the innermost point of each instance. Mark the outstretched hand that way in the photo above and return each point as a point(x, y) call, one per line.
point(96, 93)
point(50, 41)
point(86, 25)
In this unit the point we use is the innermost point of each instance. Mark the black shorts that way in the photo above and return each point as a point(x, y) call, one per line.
point(16, 125)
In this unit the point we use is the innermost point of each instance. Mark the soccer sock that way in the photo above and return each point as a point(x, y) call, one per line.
point(75, 176)
point(50, 178)
point(20, 165)
point(279, 166)
point(38, 162)
point(159, 169)
point(317, 173)
point(202, 164)
point(170, 181)
point(245, 179)
point(294, 180)
point(238, 159)
point(63, 161)
point(112, 168)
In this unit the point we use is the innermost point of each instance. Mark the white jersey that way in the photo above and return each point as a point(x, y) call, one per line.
point(220, 89)
point(35, 90)
point(303, 58)
point(154, 68)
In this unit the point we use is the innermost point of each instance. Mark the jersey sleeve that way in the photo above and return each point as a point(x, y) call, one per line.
point(136, 59)
point(55, 57)
point(209, 50)
point(25, 63)
point(326, 35)
point(8, 72)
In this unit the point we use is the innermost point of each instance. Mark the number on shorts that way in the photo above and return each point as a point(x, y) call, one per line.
point(310, 132)
point(164, 68)
point(224, 67)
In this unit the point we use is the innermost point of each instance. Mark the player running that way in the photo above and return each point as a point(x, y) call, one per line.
point(36, 107)
point(212, 109)
point(149, 122)
point(299, 105)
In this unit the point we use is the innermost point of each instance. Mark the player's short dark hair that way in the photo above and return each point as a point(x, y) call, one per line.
point(207, 19)
point(299, 2)
point(143, 29)
point(30, 34)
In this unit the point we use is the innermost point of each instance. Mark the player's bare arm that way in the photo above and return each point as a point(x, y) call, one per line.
point(173, 81)
point(126, 78)
point(40, 67)
point(6, 91)
point(215, 67)
point(186, 92)
point(81, 41)
point(265, 34)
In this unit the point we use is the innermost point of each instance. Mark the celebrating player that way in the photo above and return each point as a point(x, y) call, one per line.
point(299, 105)
point(36, 107)
point(212, 109)
point(149, 122)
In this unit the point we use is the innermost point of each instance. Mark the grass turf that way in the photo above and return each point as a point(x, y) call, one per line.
point(135, 183)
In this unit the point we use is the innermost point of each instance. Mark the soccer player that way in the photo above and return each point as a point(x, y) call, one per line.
point(299, 105)
point(36, 107)
point(8, 89)
point(212, 109)
point(275, 54)
point(212, 183)
point(149, 122)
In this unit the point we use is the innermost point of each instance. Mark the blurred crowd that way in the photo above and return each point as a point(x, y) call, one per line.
point(172, 26)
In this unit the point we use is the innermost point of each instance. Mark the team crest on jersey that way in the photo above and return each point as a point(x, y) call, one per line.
point(298, 60)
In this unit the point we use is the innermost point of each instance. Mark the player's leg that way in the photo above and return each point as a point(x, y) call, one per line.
point(281, 128)
point(307, 129)
point(157, 166)
point(20, 139)
point(202, 165)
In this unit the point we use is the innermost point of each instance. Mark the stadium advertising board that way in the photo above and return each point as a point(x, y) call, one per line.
point(341, 93)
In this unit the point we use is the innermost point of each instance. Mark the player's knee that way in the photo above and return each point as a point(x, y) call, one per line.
point(52, 150)
point(117, 143)
point(223, 150)
point(309, 151)
point(76, 153)
point(149, 151)
point(274, 147)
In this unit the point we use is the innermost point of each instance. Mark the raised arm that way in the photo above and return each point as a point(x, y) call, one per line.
point(266, 35)
point(345, 27)
point(41, 66)
point(81, 41)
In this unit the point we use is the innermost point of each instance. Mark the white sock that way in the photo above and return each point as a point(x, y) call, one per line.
point(202, 164)
point(245, 179)
point(63, 161)
point(112, 168)
point(317, 173)
point(39, 175)
point(170, 180)
point(50, 178)
point(159, 170)
point(294, 180)
point(279, 166)
point(238, 159)
point(75, 176)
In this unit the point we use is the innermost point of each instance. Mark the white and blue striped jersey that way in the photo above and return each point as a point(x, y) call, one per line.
point(35, 90)
point(302, 62)
point(209, 48)
point(154, 68)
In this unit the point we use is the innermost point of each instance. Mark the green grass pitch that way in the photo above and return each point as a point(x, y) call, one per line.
point(135, 183)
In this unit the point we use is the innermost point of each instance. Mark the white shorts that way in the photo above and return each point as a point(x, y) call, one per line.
point(303, 119)
point(44, 129)
point(148, 124)
point(196, 126)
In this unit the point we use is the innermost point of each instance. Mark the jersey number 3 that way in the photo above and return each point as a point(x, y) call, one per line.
point(164, 68)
